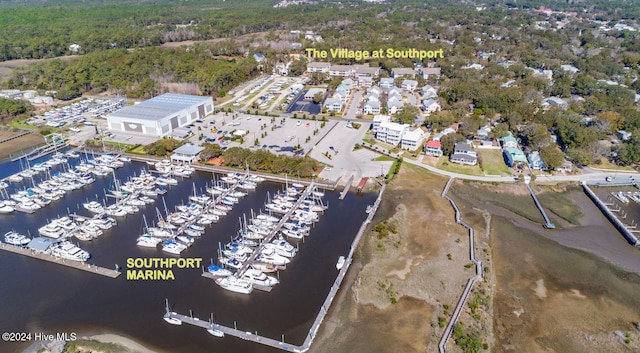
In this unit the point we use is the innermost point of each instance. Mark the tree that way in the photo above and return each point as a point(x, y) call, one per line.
point(536, 136)
point(580, 156)
point(408, 114)
point(448, 142)
point(552, 156)
point(318, 97)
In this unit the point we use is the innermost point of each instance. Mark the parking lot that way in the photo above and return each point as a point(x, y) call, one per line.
point(282, 134)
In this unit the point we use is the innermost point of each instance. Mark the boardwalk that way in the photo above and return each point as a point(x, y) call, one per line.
point(73, 264)
point(346, 188)
point(469, 286)
point(547, 222)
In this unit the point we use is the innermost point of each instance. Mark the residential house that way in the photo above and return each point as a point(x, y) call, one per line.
point(343, 92)
point(411, 140)
point(483, 133)
point(318, 66)
point(348, 83)
point(624, 135)
point(509, 141)
point(386, 82)
point(341, 96)
point(409, 85)
point(428, 90)
point(403, 72)
point(362, 70)
point(535, 162)
point(391, 133)
point(394, 104)
point(371, 107)
point(513, 156)
point(463, 153)
point(377, 120)
point(431, 105)
point(342, 70)
point(365, 81)
point(433, 148)
point(429, 71)
point(333, 104)
point(554, 101)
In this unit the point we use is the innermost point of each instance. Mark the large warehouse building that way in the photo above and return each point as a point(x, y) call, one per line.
point(161, 115)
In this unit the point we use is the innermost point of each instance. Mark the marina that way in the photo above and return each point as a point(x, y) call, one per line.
point(317, 254)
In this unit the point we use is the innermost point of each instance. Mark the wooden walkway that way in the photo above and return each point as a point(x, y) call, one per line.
point(50, 258)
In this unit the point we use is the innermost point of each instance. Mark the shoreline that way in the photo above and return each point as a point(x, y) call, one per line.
point(130, 344)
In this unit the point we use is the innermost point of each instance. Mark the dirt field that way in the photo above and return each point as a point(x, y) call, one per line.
point(420, 268)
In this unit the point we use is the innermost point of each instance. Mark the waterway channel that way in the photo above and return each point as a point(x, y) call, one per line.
point(43, 297)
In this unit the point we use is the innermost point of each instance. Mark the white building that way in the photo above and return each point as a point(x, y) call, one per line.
point(413, 139)
point(391, 133)
point(379, 119)
point(159, 116)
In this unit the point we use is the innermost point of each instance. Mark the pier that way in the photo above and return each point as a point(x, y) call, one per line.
point(50, 258)
point(547, 222)
point(625, 230)
point(253, 336)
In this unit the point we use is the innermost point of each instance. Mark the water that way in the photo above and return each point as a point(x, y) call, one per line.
point(43, 297)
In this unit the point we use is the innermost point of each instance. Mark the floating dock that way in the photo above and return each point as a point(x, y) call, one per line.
point(346, 188)
point(50, 258)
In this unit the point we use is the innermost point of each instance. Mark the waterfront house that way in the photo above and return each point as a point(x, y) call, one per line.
point(463, 153)
point(535, 162)
point(411, 140)
point(433, 148)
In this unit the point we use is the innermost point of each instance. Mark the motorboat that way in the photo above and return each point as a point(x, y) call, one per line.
point(258, 277)
point(340, 263)
point(229, 262)
point(15, 238)
point(173, 247)
point(234, 284)
point(269, 256)
point(4, 208)
point(185, 239)
point(218, 271)
point(621, 196)
point(267, 268)
point(93, 206)
point(69, 251)
point(65, 223)
point(51, 230)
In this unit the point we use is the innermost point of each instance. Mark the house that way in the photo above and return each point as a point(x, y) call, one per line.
point(624, 135)
point(513, 156)
point(348, 83)
point(429, 71)
point(371, 107)
point(411, 140)
point(375, 90)
point(430, 105)
point(342, 70)
point(395, 91)
point(379, 119)
point(333, 104)
point(391, 133)
point(509, 141)
point(535, 162)
point(394, 104)
point(317, 66)
point(483, 133)
point(428, 90)
point(362, 70)
point(386, 82)
point(433, 148)
point(554, 101)
point(463, 153)
point(365, 81)
point(403, 72)
point(409, 85)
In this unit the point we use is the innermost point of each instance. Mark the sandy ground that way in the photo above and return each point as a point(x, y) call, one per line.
point(411, 267)
point(128, 345)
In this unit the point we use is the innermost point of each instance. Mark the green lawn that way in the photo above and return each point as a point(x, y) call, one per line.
point(444, 164)
point(384, 158)
point(606, 164)
point(493, 163)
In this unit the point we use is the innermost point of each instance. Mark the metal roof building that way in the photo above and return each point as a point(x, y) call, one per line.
point(40, 243)
point(159, 116)
point(186, 153)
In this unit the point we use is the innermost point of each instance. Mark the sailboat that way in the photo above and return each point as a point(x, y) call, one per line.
point(168, 316)
point(214, 331)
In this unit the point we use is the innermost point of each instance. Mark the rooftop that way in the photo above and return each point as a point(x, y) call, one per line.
point(159, 107)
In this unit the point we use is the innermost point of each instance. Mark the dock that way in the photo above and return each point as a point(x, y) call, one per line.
point(344, 192)
point(547, 222)
point(323, 310)
point(50, 258)
point(624, 229)
point(245, 335)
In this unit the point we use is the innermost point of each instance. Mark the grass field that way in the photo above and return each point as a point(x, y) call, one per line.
point(384, 158)
point(607, 165)
point(444, 164)
point(493, 163)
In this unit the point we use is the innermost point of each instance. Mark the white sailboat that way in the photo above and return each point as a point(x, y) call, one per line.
point(169, 315)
